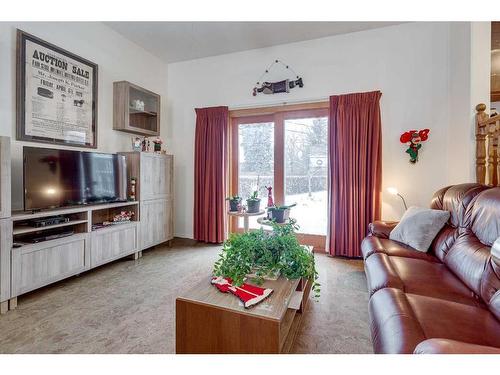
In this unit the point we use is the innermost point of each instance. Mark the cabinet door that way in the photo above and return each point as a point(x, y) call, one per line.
point(156, 179)
point(34, 266)
point(112, 243)
point(156, 222)
point(5, 248)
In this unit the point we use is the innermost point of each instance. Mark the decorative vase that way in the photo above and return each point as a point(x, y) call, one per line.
point(253, 206)
point(157, 147)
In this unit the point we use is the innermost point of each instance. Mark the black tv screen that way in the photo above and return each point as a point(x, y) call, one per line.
point(57, 178)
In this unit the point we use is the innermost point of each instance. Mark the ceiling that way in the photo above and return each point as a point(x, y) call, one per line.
point(181, 41)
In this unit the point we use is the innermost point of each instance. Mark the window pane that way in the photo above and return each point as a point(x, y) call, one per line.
point(256, 162)
point(306, 168)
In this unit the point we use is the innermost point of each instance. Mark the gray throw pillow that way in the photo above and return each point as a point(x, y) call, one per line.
point(419, 226)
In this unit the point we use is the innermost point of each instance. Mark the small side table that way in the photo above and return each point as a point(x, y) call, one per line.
point(246, 216)
point(265, 221)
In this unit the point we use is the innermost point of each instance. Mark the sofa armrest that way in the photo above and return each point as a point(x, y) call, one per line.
point(445, 346)
point(382, 229)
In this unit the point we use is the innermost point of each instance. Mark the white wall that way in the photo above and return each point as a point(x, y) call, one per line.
point(118, 59)
point(470, 65)
point(410, 64)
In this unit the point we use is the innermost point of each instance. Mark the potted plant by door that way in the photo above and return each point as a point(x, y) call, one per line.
point(253, 203)
point(234, 202)
point(262, 255)
point(280, 214)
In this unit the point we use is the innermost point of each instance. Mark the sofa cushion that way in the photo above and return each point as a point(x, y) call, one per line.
point(399, 322)
point(419, 226)
point(433, 280)
point(470, 258)
point(455, 199)
point(467, 259)
point(394, 327)
point(484, 216)
point(450, 320)
point(490, 282)
point(372, 244)
point(381, 229)
point(445, 346)
point(416, 276)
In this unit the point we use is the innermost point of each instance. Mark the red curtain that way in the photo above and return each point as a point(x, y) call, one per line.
point(210, 165)
point(355, 173)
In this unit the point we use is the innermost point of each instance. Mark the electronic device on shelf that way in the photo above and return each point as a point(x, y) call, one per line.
point(47, 236)
point(60, 178)
point(46, 221)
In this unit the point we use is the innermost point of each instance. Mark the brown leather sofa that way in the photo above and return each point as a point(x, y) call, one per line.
point(448, 299)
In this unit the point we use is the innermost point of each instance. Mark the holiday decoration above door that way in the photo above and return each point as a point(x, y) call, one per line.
point(413, 139)
point(279, 86)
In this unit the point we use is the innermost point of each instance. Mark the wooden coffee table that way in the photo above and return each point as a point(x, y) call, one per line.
point(208, 321)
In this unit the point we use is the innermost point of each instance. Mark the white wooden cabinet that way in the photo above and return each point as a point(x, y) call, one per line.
point(113, 243)
point(5, 177)
point(5, 223)
point(5, 249)
point(154, 176)
point(156, 222)
point(37, 265)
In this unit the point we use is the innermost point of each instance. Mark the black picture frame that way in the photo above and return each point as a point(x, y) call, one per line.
point(21, 82)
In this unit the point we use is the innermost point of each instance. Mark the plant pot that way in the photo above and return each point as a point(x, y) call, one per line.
point(253, 206)
point(280, 215)
point(233, 205)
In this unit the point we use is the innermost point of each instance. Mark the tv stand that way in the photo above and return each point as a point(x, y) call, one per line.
point(36, 264)
point(26, 266)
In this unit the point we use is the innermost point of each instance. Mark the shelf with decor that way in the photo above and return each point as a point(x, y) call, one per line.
point(136, 110)
point(24, 229)
point(28, 229)
point(114, 216)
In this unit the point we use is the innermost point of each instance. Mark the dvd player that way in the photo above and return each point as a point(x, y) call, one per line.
point(48, 237)
point(46, 221)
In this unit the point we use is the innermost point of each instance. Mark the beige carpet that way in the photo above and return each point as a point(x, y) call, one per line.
point(129, 307)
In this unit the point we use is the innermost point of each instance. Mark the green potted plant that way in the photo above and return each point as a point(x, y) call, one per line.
point(263, 254)
point(280, 214)
point(234, 202)
point(253, 203)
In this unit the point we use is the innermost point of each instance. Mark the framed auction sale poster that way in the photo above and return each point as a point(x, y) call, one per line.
point(56, 94)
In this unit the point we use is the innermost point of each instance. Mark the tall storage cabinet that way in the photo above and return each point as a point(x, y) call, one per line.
point(5, 223)
point(154, 191)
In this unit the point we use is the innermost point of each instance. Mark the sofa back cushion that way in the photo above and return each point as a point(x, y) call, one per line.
point(467, 259)
point(455, 199)
point(490, 283)
point(470, 257)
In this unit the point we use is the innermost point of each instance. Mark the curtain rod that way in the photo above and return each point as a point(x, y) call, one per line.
point(277, 104)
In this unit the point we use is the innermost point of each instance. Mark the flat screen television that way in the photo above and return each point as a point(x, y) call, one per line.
point(59, 178)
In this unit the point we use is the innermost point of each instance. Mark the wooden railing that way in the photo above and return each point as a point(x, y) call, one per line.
point(487, 150)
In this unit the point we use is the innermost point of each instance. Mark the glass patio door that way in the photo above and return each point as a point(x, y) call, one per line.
point(306, 168)
point(253, 141)
point(288, 151)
